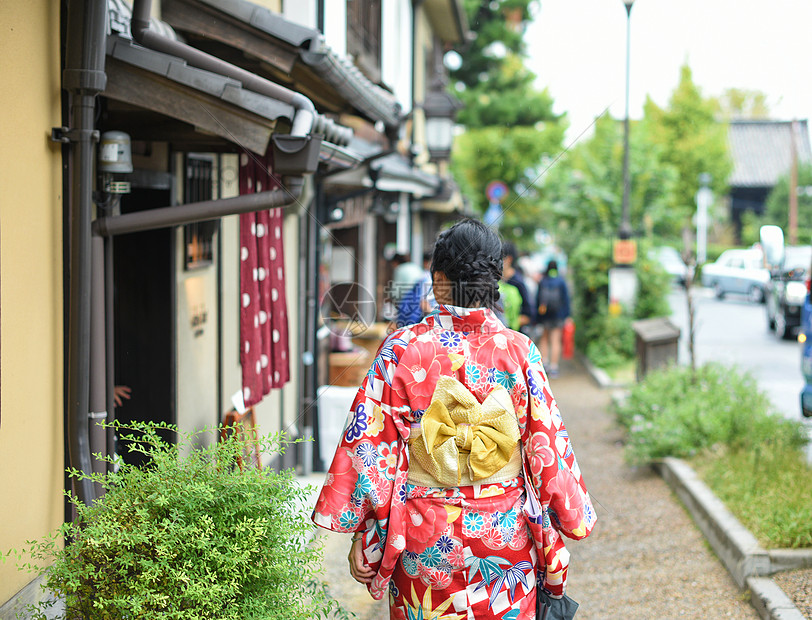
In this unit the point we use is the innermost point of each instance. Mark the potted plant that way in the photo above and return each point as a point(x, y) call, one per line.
point(191, 534)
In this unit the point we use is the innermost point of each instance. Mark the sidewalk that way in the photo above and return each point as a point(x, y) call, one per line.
point(645, 560)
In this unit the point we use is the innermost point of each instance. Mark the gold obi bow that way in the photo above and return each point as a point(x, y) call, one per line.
point(460, 441)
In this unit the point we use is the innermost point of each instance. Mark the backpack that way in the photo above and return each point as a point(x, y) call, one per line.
point(550, 299)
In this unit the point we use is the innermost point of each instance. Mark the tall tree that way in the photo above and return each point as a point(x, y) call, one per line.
point(691, 139)
point(509, 124)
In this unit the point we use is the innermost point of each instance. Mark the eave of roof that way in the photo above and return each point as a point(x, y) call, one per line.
point(448, 20)
point(762, 150)
point(209, 101)
point(390, 172)
point(286, 37)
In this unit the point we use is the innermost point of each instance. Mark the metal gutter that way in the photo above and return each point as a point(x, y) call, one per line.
point(84, 78)
point(200, 211)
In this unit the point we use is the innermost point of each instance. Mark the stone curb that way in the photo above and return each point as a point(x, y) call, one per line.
point(735, 546)
point(770, 601)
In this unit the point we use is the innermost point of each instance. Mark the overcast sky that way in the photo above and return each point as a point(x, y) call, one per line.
point(578, 50)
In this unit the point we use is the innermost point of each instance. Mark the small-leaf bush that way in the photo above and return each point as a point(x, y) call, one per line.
point(681, 412)
point(607, 340)
point(189, 535)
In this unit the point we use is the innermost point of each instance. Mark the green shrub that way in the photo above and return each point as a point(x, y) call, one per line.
point(609, 341)
point(679, 412)
point(189, 535)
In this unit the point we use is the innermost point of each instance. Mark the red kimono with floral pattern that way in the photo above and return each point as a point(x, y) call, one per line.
point(461, 552)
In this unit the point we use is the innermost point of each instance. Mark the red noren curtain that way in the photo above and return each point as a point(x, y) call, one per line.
point(263, 307)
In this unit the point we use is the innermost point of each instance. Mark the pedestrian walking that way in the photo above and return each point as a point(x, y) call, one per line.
point(455, 474)
point(553, 311)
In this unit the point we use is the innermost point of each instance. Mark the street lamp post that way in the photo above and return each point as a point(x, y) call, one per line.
point(625, 226)
point(622, 277)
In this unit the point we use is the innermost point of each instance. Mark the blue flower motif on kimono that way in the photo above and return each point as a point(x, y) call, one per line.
point(409, 561)
point(450, 340)
point(363, 488)
point(473, 373)
point(367, 453)
point(505, 379)
point(431, 557)
point(358, 424)
point(402, 494)
point(348, 520)
point(589, 515)
point(418, 413)
point(393, 589)
point(532, 385)
point(444, 544)
point(533, 355)
point(507, 520)
point(491, 375)
point(473, 522)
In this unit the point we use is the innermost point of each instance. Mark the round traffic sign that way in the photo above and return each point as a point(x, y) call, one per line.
point(496, 191)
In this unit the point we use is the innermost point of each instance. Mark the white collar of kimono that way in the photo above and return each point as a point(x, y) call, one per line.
point(461, 319)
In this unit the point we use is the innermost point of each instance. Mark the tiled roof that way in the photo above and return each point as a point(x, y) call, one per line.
point(762, 150)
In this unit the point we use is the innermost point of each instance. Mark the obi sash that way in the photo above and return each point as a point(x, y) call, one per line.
point(460, 441)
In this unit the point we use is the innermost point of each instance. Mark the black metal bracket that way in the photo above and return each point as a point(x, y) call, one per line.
point(66, 134)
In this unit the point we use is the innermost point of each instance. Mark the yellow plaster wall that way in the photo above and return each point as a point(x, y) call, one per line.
point(31, 347)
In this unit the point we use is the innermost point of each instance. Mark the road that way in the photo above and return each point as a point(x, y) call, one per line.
point(733, 331)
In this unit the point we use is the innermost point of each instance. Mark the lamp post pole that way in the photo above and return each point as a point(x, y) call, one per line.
point(625, 226)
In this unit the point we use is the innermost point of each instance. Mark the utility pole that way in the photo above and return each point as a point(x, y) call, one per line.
point(793, 187)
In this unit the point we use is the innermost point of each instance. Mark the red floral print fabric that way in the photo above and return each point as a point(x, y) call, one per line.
point(463, 552)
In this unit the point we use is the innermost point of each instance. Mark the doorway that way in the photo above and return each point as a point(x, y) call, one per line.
point(144, 307)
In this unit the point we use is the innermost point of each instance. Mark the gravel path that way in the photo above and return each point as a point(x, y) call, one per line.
point(797, 585)
point(645, 560)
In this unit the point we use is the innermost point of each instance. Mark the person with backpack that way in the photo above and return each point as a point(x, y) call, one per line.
point(553, 302)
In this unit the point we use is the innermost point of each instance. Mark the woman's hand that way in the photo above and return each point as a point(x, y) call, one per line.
point(359, 569)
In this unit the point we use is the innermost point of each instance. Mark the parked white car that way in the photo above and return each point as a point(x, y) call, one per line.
point(737, 271)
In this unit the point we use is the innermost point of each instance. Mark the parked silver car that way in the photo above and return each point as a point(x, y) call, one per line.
point(737, 271)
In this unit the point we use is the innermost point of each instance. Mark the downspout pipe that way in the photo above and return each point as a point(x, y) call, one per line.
point(305, 115)
point(200, 211)
point(84, 78)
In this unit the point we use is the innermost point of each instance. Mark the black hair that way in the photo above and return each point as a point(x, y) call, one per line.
point(470, 255)
point(509, 249)
point(552, 268)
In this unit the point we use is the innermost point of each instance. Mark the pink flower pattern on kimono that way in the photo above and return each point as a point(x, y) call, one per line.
point(570, 507)
point(539, 453)
point(428, 521)
point(423, 363)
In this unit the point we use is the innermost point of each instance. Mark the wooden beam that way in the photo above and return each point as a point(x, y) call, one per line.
point(206, 113)
point(205, 21)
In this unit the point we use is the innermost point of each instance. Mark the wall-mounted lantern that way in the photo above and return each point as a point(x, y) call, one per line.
point(440, 109)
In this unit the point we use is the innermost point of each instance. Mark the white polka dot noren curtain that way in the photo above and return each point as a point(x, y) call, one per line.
point(263, 309)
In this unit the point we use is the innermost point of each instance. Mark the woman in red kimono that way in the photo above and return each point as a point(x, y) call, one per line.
point(455, 473)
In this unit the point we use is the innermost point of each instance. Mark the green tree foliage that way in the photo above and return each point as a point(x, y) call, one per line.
point(739, 103)
point(777, 206)
point(510, 125)
point(690, 139)
point(582, 192)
